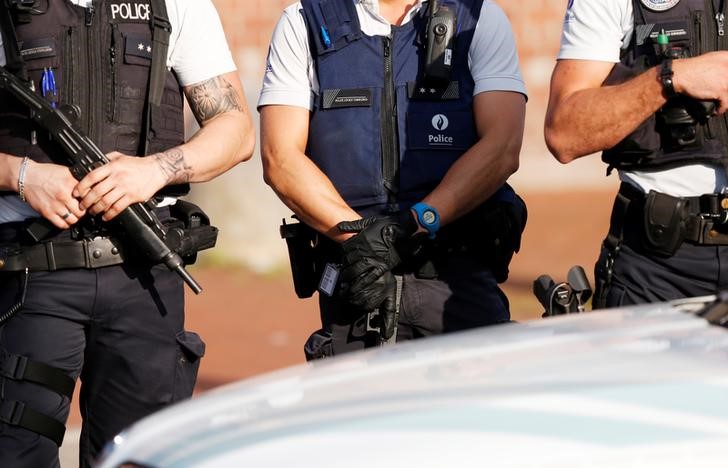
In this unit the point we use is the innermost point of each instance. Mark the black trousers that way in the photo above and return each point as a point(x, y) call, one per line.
point(464, 295)
point(120, 329)
point(641, 277)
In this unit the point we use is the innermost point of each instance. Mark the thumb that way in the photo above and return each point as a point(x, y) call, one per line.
point(388, 316)
point(355, 226)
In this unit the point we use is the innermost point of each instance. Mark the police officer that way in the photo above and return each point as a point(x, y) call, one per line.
point(646, 82)
point(118, 327)
point(387, 157)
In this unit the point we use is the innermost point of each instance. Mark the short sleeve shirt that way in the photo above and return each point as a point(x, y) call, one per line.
point(290, 77)
point(597, 30)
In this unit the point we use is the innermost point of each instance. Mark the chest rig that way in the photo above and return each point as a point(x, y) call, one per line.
point(109, 67)
point(384, 135)
point(684, 130)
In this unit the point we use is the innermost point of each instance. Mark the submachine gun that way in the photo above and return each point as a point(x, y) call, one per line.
point(138, 223)
point(567, 297)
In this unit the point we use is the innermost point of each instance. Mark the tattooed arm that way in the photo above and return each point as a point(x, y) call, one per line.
point(225, 138)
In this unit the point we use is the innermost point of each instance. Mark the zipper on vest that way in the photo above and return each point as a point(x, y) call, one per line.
point(67, 88)
point(95, 73)
point(89, 14)
point(698, 32)
point(720, 19)
point(112, 62)
point(390, 140)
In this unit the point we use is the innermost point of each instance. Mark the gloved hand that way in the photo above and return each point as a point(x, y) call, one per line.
point(380, 244)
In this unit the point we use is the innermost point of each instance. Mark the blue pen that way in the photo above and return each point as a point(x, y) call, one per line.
point(325, 37)
point(48, 86)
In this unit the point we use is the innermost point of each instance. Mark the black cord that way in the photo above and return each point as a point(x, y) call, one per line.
point(16, 308)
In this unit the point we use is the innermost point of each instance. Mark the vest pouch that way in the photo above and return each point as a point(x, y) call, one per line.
point(680, 123)
point(664, 226)
point(340, 118)
point(435, 140)
point(491, 233)
point(40, 55)
point(301, 242)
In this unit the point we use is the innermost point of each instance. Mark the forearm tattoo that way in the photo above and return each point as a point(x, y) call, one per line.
point(213, 97)
point(173, 166)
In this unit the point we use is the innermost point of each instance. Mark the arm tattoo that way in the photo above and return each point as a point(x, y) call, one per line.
point(213, 97)
point(173, 166)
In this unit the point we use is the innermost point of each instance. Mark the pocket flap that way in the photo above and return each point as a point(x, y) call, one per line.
point(191, 344)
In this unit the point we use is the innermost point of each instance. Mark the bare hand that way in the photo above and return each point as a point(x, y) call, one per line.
point(48, 189)
point(704, 77)
point(111, 188)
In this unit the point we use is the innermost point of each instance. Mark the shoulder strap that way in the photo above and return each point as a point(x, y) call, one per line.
point(161, 32)
point(14, 60)
point(332, 24)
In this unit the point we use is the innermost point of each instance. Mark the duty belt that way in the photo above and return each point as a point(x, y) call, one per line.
point(705, 217)
point(62, 254)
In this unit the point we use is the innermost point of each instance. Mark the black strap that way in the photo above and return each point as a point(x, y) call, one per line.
point(17, 367)
point(161, 32)
point(14, 60)
point(16, 413)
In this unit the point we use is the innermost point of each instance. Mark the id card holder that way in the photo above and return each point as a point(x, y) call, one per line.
point(330, 276)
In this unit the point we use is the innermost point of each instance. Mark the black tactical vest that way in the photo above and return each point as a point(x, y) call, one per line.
point(101, 62)
point(682, 131)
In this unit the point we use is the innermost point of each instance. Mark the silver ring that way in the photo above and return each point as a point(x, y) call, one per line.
point(65, 216)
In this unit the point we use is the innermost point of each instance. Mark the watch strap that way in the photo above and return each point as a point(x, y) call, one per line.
point(666, 78)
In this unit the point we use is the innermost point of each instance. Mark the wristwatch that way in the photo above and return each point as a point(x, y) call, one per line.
point(427, 217)
point(666, 75)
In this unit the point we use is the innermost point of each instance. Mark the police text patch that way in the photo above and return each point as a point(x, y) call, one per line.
point(130, 11)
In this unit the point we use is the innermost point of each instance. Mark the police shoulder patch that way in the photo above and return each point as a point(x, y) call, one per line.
point(659, 5)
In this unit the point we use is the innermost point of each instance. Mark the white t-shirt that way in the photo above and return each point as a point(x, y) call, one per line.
point(198, 51)
point(597, 30)
point(290, 76)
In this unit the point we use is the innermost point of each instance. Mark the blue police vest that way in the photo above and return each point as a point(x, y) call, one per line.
point(383, 138)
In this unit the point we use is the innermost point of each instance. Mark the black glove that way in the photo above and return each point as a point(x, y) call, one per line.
point(379, 246)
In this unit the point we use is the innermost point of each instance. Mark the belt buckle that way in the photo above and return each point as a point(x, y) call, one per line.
point(101, 252)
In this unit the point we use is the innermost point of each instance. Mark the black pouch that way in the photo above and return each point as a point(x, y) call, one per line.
point(664, 219)
point(301, 241)
point(504, 227)
point(491, 233)
point(190, 231)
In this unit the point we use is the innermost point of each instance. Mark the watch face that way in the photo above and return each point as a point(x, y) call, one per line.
point(428, 217)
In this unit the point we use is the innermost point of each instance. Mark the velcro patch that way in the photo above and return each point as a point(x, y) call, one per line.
point(138, 47)
point(38, 48)
point(336, 98)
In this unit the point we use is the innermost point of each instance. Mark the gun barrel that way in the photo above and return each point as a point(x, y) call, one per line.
point(194, 285)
